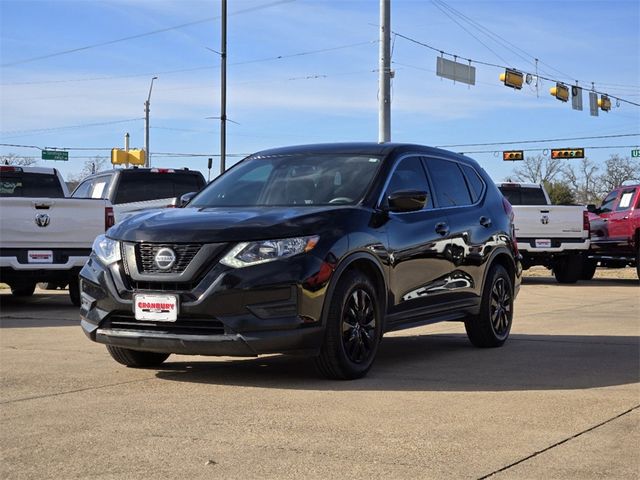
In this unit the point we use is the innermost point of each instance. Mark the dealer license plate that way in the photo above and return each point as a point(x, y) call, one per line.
point(156, 308)
point(40, 256)
point(543, 243)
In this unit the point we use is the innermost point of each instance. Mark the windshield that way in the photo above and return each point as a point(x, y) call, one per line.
point(292, 180)
point(23, 184)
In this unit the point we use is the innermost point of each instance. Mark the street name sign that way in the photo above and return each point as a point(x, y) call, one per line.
point(55, 155)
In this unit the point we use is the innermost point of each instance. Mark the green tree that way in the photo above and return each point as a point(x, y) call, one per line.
point(560, 193)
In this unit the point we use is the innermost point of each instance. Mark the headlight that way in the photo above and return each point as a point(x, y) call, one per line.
point(253, 253)
point(106, 249)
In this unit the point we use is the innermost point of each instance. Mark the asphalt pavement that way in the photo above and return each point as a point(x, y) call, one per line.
point(560, 400)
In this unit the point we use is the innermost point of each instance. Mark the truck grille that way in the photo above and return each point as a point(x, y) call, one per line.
point(146, 254)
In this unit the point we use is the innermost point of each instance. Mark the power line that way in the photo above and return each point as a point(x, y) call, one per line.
point(594, 137)
point(204, 67)
point(20, 133)
point(489, 64)
point(140, 35)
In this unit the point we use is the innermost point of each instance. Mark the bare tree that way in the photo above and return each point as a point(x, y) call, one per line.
point(14, 159)
point(90, 167)
point(618, 170)
point(538, 169)
point(584, 181)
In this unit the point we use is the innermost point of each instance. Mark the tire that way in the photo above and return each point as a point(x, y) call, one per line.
point(136, 358)
point(74, 290)
point(568, 268)
point(23, 289)
point(588, 269)
point(491, 327)
point(353, 329)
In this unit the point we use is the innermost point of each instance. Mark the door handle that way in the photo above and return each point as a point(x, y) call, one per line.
point(442, 229)
point(485, 222)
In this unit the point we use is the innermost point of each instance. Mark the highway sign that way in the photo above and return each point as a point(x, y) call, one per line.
point(55, 155)
point(635, 153)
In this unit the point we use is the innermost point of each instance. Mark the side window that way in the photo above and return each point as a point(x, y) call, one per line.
point(475, 183)
point(625, 200)
point(410, 175)
point(100, 186)
point(82, 191)
point(607, 203)
point(449, 183)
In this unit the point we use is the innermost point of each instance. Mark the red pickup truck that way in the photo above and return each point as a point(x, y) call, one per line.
point(615, 231)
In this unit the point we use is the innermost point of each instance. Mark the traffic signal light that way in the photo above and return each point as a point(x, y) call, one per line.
point(567, 153)
point(604, 103)
point(560, 91)
point(513, 155)
point(136, 157)
point(512, 78)
point(122, 157)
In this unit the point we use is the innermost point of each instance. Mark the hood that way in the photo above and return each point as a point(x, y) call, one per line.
point(213, 225)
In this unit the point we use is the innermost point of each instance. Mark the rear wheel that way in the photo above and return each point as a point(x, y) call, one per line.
point(136, 358)
point(568, 268)
point(638, 257)
point(588, 269)
point(492, 326)
point(23, 289)
point(353, 330)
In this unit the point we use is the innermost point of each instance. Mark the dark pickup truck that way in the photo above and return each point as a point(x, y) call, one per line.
point(615, 231)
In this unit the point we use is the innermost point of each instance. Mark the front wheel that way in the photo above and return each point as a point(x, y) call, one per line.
point(74, 290)
point(353, 329)
point(136, 358)
point(492, 326)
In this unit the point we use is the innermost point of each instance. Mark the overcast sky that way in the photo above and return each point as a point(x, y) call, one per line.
point(324, 86)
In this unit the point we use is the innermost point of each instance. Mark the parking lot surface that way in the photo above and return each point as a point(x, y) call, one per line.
point(560, 400)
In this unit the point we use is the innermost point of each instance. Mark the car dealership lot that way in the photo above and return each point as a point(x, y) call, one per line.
point(432, 406)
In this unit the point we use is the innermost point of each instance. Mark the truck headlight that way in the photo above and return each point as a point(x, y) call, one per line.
point(253, 253)
point(106, 249)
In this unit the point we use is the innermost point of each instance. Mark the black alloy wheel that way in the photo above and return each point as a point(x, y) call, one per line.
point(359, 326)
point(501, 306)
point(353, 328)
point(491, 327)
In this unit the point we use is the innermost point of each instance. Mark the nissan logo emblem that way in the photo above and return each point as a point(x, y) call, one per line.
point(165, 258)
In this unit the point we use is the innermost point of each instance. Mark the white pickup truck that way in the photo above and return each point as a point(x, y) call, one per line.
point(556, 236)
point(44, 236)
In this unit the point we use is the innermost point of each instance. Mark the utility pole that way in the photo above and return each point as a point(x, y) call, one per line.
point(126, 146)
point(384, 75)
point(147, 160)
point(223, 88)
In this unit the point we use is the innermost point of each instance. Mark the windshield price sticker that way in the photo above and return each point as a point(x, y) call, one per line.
point(156, 308)
point(40, 256)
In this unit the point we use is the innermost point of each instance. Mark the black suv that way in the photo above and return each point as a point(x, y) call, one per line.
point(313, 250)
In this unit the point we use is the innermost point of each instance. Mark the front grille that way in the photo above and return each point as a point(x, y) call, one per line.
point(146, 254)
point(182, 326)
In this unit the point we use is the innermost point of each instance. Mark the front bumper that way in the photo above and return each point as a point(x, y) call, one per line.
point(263, 309)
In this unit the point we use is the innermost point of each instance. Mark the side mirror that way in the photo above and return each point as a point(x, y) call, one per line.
point(185, 199)
point(592, 208)
point(407, 201)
